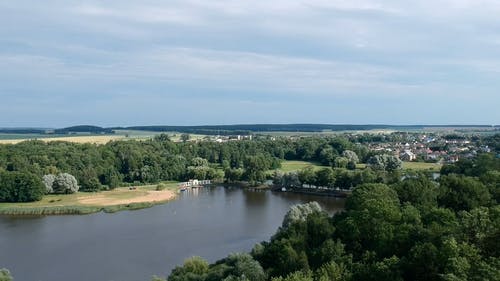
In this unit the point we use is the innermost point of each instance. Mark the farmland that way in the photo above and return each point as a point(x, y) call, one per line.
point(95, 139)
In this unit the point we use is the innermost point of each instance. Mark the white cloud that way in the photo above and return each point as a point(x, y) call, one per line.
point(380, 50)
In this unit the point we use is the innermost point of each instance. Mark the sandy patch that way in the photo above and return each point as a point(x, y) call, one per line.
point(103, 199)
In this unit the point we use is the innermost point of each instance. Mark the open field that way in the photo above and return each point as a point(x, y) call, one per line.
point(417, 166)
point(97, 139)
point(100, 139)
point(420, 166)
point(291, 166)
point(82, 202)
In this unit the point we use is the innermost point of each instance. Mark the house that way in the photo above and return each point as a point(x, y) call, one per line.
point(453, 158)
point(408, 156)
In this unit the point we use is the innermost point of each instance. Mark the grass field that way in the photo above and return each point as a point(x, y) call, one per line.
point(420, 166)
point(82, 202)
point(416, 166)
point(291, 166)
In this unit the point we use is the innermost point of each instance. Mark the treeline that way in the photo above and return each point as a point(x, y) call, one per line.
point(101, 167)
point(84, 129)
point(214, 129)
point(121, 163)
point(413, 229)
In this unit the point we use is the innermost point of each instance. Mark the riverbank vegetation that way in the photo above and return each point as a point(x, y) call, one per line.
point(412, 229)
point(118, 199)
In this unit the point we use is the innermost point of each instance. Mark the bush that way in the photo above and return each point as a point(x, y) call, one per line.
point(161, 186)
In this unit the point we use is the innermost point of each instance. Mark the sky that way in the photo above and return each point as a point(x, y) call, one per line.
point(195, 62)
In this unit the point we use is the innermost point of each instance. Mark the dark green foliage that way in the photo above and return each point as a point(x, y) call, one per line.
point(325, 177)
point(411, 230)
point(20, 187)
point(194, 269)
point(234, 267)
point(459, 192)
point(417, 190)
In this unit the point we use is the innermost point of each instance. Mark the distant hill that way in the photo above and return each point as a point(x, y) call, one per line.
point(242, 129)
point(255, 128)
point(84, 129)
point(248, 128)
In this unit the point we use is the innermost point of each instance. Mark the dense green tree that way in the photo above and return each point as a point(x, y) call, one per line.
point(459, 192)
point(418, 190)
point(307, 175)
point(233, 175)
point(20, 187)
point(240, 265)
point(325, 177)
point(341, 162)
point(327, 156)
point(332, 271)
point(194, 269)
point(296, 276)
point(255, 168)
point(373, 213)
point(481, 227)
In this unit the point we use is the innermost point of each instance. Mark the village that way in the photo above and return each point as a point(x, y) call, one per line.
point(432, 148)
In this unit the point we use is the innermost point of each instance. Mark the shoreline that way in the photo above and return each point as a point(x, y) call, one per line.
point(311, 191)
point(80, 203)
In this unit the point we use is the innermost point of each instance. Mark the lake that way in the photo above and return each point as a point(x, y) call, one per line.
point(134, 245)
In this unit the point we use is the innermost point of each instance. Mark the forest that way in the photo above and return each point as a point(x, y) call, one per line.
point(412, 229)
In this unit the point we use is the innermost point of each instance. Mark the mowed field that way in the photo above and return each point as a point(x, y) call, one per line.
point(416, 166)
point(420, 166)
point(291, 166)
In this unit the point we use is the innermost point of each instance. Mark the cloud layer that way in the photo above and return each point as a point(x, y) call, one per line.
point(151, 62)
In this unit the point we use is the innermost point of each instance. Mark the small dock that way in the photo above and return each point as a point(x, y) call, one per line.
point(194, 184)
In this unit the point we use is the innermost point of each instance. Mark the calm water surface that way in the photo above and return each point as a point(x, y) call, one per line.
point(134, 245)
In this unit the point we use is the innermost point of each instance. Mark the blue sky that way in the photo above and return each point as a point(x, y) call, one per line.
point(187, 62)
